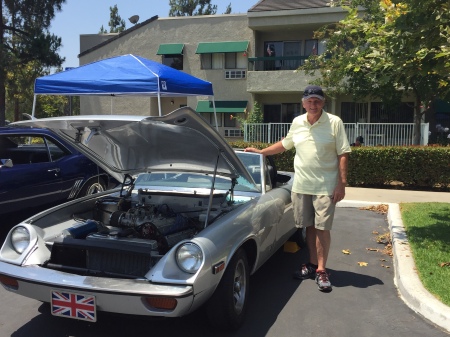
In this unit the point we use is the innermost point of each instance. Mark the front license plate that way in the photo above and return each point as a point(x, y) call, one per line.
point(73, 305)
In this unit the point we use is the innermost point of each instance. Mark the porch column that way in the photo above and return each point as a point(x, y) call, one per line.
point(333, 107)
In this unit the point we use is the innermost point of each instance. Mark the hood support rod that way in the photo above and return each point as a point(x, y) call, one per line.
point(211, 194)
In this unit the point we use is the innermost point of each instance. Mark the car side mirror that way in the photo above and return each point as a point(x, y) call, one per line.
point(6, 163)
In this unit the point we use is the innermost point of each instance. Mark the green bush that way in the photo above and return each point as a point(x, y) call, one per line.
point(411, 167)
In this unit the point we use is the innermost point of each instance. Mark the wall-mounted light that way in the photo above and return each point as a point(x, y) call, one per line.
point(172, 102)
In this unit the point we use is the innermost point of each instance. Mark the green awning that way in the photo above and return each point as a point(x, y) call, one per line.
point(170, 49)
point(230, 107)
point(222, 47)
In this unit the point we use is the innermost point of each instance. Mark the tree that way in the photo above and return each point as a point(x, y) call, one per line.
point(116, 23)
point(394, 48)
point(20, 94)
point(228, 10)
point(20, 88)
point(191, 7)
point(251, 117)
point(25, 38)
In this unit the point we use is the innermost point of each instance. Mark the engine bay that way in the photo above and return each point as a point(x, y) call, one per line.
point(127, 235)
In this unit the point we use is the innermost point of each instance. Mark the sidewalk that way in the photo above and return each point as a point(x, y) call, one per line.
point(394, 196)
point(406, 279)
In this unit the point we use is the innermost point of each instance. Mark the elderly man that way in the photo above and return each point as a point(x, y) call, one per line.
point(320, 165)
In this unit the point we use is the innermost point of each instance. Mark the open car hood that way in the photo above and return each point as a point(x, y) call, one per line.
point(180, 141)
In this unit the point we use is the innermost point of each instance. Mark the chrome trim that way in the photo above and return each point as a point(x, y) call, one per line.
point(112, 295)
point(59, 280)
point(75, 188)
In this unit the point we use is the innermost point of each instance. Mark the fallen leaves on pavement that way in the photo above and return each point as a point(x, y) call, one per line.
point(346, 251)
point(372, 249)
point(363, 264)
point(382, 208)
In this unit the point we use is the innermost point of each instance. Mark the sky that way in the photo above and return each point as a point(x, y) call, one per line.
point(87, 16)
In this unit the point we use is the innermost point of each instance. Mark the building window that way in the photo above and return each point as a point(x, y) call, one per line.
point(230, 61)
point(281, 113)
point(210, 118)
point(292, 49)
point(234, 133)
point(173, 61)
point(353, 112)
point(229, 121)
point(311, 47)
point(403, 113)
point(206, 61)
point(212, 61)
point(273, 50)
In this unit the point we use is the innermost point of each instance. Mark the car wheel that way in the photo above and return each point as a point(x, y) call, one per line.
point(227, 307)
point(92, 186)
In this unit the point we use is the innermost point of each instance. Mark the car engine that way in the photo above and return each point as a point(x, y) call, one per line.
point(126, 236)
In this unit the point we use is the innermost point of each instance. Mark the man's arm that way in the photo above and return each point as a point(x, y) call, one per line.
point(339, 191)
point(268, 151)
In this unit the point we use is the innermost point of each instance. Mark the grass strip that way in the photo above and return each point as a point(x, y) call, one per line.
point(428, 229)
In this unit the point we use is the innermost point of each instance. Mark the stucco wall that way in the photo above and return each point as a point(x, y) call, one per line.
point(145, 41)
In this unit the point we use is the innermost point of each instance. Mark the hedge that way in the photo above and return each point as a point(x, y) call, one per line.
point(410, 167)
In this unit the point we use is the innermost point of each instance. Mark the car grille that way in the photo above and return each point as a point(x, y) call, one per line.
point(108, 259)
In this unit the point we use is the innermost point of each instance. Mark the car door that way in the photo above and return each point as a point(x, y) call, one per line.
point(33, 180)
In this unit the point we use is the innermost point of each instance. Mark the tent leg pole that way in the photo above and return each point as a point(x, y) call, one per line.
point(159, 104)
point(34, 106)
point(215, 114)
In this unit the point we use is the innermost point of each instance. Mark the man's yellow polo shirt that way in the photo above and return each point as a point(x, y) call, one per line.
point(317, 148)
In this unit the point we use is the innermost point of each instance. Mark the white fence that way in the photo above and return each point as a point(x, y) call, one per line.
point(385, 134)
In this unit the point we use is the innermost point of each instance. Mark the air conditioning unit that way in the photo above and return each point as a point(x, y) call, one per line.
point(234, 74)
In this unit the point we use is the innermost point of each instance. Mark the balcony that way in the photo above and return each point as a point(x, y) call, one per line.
point(275, 63)
point(277, 74)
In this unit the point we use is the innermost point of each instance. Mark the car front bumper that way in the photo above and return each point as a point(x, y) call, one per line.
point(112, 295)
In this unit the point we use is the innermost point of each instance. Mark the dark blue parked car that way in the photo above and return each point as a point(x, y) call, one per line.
point(38, 169)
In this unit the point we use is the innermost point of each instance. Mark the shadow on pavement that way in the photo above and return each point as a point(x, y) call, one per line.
point(342, 278)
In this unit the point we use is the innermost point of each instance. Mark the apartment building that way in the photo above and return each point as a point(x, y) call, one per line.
point(247, 57)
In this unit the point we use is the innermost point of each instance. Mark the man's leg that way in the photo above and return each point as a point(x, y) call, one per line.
point(311, 241)
point(322, 245)
point(304, 217)
point(325, 208)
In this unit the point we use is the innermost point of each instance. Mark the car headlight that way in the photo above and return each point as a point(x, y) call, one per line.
point(189, 257)
point(20, 239)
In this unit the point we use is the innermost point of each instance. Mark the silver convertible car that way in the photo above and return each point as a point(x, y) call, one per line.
point(192, 220)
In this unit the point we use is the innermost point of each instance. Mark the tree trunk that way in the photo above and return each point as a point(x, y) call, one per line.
point(417, 122)
point(2, 72)
point(17, 110)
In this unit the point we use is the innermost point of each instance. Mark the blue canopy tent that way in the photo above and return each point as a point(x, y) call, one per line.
point(122, 75)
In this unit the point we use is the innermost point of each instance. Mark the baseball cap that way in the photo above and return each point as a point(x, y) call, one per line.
point(313, 91)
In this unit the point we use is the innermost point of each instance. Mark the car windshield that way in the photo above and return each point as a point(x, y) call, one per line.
point(204, 181)
point(192, 181)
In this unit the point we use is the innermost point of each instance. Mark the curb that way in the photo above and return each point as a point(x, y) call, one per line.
point(406, 279)
point(409, 286)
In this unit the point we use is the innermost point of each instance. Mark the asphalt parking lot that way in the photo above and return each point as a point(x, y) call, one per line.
point(364, 300)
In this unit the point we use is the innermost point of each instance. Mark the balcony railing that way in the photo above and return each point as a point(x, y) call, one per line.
point(275, 63)
point(385, 134)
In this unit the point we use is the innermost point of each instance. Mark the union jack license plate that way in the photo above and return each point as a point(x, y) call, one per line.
point(73, 305)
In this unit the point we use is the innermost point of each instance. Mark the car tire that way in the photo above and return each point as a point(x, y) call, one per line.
point(92, 186)
point(227, 307)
